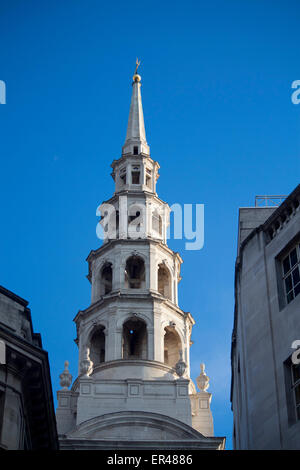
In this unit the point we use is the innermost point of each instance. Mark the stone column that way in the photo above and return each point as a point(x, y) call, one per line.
point(150, 333)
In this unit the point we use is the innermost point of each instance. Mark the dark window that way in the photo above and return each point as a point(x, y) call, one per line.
point(137, 224)
point(291, 274)
point(135, 175)
point(123, 175)
point(135, 273)
point(135, 150)
point(296, 388)
point(134, 339)
point(292, 385)
point(106, 279)
point(97, 346)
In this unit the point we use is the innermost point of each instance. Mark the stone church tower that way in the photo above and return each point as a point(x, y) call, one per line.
point(133, 388)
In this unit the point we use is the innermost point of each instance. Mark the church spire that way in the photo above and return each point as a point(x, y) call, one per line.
point(135, 142)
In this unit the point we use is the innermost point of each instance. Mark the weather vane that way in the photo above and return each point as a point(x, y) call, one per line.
point(137, 65)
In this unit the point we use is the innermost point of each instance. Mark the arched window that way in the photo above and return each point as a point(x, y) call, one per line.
point(172, 346)
point(106, 279)
point(135, 273)
point(134, 339)
point(164, 282)
point(97, 346)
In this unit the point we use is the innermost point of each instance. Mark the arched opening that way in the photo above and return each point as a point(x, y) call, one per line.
point(172, 346)
point(97, 346)
point(164, 281)
point(135, 273)
point(106, 279)
point(134, 341)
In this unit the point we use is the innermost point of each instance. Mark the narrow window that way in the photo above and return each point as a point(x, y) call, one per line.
point(135, 175)
point(135, 273)
point(97, 346)
point(148, 179)
point(135, 150)
point(172, 347)
point(157, 223)
point(296, 388)
point(106, 279)
point(291, 274)
point(134, 222)
point(164, 281)
point(134, 339)
point(123, 175)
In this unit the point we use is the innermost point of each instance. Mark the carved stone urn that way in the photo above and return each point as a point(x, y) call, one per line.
point(65, 377)
point(202, 379)
point(180, 366)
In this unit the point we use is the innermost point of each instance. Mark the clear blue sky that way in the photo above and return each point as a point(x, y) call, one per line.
point(219, 119)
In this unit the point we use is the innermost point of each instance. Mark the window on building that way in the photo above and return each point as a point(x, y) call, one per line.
point(135, 150)
point(157, 223)
point(123, 175)
point(2, 401)
point(135, 175)
point(134, 339)
point(172, 346)
point(134, 221)
point(148, 179)
point(117, 222)
point(296, 388)
point(164, 281)
point(135, 273)
point(106, 279)
point(97, 346)
point(291, 273)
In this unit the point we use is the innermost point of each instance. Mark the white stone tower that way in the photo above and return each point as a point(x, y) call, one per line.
point(133, 388)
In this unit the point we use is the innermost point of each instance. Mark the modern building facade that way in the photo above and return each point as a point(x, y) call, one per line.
point(265, 388)
point(133, 388)
point(27, 417)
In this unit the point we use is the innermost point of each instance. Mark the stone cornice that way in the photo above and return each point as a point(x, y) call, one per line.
point(133, 296)
point(13, 296)
point(126, 363)
point(130, 156)
point(137, 192)
point(125, 241)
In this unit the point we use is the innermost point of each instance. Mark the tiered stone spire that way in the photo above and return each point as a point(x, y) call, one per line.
point(134, 339)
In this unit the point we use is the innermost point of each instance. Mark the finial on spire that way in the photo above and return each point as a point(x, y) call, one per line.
point(136, 77)
point(137, 65)
point(136, 135)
